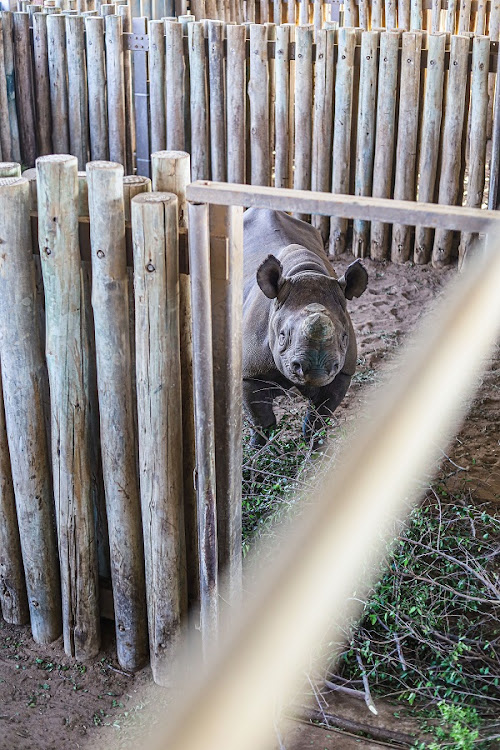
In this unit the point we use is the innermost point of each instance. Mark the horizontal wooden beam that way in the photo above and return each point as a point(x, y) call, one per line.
point(347, 206)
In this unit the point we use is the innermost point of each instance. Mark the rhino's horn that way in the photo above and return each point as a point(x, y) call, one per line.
point(318, 327)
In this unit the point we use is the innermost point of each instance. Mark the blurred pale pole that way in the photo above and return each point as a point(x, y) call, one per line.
point(231, 707)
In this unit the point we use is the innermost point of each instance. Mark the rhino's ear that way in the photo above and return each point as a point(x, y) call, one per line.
point(354, 280)
point(270, 276)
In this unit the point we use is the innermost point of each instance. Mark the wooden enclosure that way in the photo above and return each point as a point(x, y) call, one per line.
point(401, 114)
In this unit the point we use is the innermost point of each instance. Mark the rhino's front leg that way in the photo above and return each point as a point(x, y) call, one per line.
point(258, 398)
point(324, 402)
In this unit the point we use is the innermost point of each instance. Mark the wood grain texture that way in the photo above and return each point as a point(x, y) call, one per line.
point(110, 303)
point(56, 39)
point(175, 86)
point(23, 63)
point(67, 357)
point(77, 89)
point(236, 103)
point(42, 84)
point(258, 94)
point(115, 78)
point(156, 281)
point(200, 161)
point(215, 36)
point(322, 135)
point(96, 77)
point(24, 381)
point(156, 59)
point(6, 19)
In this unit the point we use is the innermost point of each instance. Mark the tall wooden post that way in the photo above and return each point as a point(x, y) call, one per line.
point(24, 382)
point(67, 356)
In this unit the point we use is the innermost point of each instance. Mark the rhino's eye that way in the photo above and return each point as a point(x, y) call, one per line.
point(282, 338)
point(344, 338)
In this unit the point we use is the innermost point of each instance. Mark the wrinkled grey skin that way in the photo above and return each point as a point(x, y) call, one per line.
point(296, 329)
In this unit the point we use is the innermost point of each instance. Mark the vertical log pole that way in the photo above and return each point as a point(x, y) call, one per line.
point(416, 15)
point(451, 11)
point(303, 109)
point(351, 14)
point(8, 63)
point(226, 261)
point(24, 88)
point(199, 103)
point(24, 386)
point(5, 135)
point(303, 12)
point(322, 121)
point(56, 38)
point(406, 148)
point(429, 140)
point(451, 157)
point(281, 119)
point(111, 317)
point(477, 143)
point(157, 85)
point(116, 89)
point(464, 16)
point(390, 15)
point(366, 134)
point(404, 14)
point(363, 10)
point(130, 139)
point(96, 78)
point(435, 16)
point(217, 100)
point(175, 85)
point(236, 103)
point(481, 18)
point(156, 281)
point(77, 89)
point(271, 37)
point(171, 173)
point(291, 11)
point(42, 84)
point(342, 132)
point(67, 356)
point(12, 585)
point(258, 94)
point(385, 137)
point(203, 380)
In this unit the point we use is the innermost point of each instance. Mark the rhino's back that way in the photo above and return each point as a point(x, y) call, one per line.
point(267, 232)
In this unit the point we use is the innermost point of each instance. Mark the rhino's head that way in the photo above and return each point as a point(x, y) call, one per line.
point(309, 326)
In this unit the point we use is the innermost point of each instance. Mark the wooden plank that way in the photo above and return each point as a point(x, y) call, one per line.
point(282, 104)
point(324, 75)
point(365, 145)
point(110, 303)
point(5, 136)
point(226, 260)
point(385, 136)
point(96, 82)
point(157, 85)
point(477, 137)
point(303, 110)
point(348, 206)
point(115, 79)
point(215, 34)
point(24, 88)
point(200, 161)
point(203, 378)
point(56, 38)
point(174, 86)
point(156, 283)
point(171, 173)
point(341, 153)
point(404, 14)
point(236, 103)
point(12, 584)
point(464, 16)
point(42, 84)
point(258, 94)
point(24, 387)
point(6, 19)
point(430, 139)
point(77, 89)
point(406, 147)
point(451, 158)
point(57, 191)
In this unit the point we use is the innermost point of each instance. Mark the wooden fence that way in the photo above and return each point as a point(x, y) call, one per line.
point(383, 113)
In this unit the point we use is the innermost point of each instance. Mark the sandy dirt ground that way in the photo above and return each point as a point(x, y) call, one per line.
point(48, 702)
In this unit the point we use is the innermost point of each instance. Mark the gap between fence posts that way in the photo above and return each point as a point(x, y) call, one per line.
point(67, 358)
point(110, 303)
point(24, 382)
point(156, 281)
